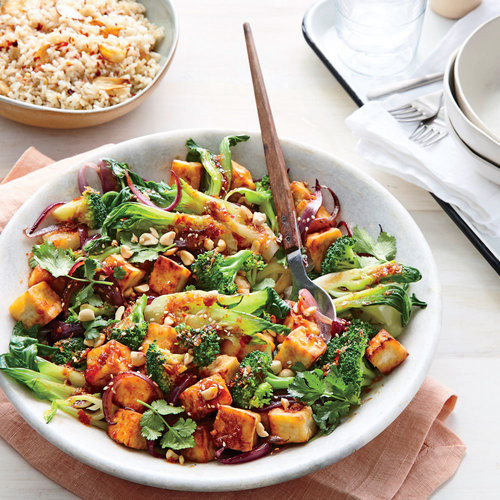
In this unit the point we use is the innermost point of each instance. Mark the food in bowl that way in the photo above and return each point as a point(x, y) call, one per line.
point(163, 312)
point(70, 54)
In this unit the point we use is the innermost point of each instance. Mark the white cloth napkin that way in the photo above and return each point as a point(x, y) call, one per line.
point(445, 169)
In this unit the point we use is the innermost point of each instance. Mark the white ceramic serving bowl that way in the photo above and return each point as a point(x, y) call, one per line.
point(160, 12)
point(364, 202)
point(475, 140)
point(477, 77)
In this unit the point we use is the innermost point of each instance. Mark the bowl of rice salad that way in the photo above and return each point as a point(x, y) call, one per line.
point(80, 63)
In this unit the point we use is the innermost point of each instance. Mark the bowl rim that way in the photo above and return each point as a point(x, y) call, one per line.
point(452, 101)
point(458, 71)
point(266, 477)
point(78, 112)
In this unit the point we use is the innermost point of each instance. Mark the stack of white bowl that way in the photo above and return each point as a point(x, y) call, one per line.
point(472, 97)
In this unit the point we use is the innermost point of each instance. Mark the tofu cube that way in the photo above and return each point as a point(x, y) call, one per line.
point(39, 274)
point(193, 398)
point(168, 276)
point(38, 305)
point(318, 243)
point(64, 239)
point(130, 389)
point(267, 345)
point(224, 365)
point(165, 336)
point(241, 177)
point(293, 425)
point(385, 352)
point(203, 450)
point(301, 345)
point(235, 428)
point(126, 429)
point(190, 171)
point(102, 362)
point(133, 275)
point(294, 320)
point(231, 346)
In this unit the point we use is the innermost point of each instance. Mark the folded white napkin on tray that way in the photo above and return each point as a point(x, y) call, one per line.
point(445, 169)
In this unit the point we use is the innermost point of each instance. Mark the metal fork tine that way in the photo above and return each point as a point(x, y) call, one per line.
point(406, 112)
point(418, 132)
point(441, 135)
point(429, 131)
point(400, 108)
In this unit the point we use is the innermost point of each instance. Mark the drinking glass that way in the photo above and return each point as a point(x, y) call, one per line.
point(378, 37)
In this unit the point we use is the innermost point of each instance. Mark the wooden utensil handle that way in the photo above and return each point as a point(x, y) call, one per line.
point(276, 167)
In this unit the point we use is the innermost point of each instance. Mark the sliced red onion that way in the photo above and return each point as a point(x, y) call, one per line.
point(344, 224)
point(275, 404)
point(140, 197)
point(151, 449)
point(111, 293)
point(59, 330)
point(324, 322)
point(338, 326)
point(40, 232)
point(75, 266)
point(68, 292)
point(114, 384)
point(82, 176)
point(258, 452)
point(336, 205)
point(185, 381)
point(310, 210)
point(177, 195)
point(82, 234)
point(106, 176)
point(45, 213)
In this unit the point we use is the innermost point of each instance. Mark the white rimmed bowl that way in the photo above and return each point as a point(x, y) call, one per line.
point(161, 13)
point(475, 140)
point(364, 202)
point(477, 78)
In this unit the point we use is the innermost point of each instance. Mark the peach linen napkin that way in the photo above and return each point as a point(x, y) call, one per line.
point(409, 460)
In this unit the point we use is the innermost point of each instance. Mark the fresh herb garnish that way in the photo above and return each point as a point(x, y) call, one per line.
point(383, 249)
point(177, 436)
point(119, 273)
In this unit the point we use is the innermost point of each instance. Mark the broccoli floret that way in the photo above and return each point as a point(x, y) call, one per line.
point(353, 280)
point(203, 342)
point(249, 387)
point(132, 330)
point(88, 209)
point(263, 184)
point(71, 351)
point(347, 351)
point(157, 361)
point(278, 383)
point(216, 272)
point(340, 256)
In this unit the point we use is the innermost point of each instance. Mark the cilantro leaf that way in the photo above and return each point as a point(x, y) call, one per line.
point(163, 408)
point(180, 435)
point(89, 268)
point(153, 425)
point(55, 260)
point(308, 386)
point(119, 273)
point(383, 249)
point(86, 296)
point(93, 328)
point(327, 415)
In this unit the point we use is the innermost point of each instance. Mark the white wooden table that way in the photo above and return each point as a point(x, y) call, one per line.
point(208, 85)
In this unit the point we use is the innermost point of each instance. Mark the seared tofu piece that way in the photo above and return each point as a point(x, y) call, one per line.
point(38, 305)
point(168, 276)
point(102, 362)
point(318, 243)
point(385, 352)
point(301, 345)
point(205, 396)
point(241, 177)
point(133, 275)
point(190, 171)
point(126, 429)
point(64, 239)
point(39, 274)
point(224, 365)
point(230, 348)
point(294, 320)
point(268, 345)
point(130, 389)
point(203, 450)
point(293, 425)
point(235, 428)
point(302, 196)
point(165, 336)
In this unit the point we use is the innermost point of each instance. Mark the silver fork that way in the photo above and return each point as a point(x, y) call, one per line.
point(430, 130)
point(419, 109)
